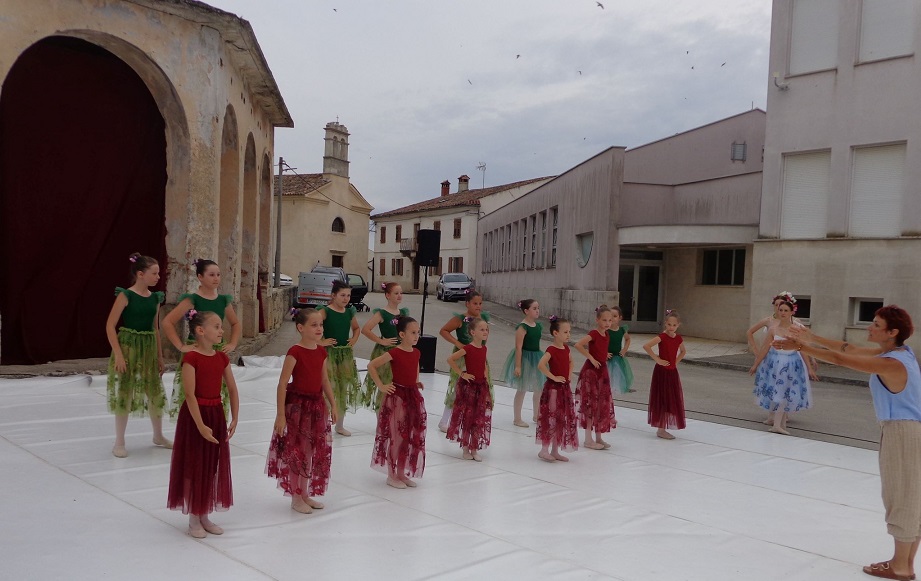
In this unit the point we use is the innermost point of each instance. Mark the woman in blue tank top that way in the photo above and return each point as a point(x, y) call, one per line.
point(895, 383)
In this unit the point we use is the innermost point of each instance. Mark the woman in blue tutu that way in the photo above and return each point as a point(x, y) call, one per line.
point(520, 371)
point(782, 381)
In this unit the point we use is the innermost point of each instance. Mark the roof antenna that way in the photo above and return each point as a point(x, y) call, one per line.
point(482, 167)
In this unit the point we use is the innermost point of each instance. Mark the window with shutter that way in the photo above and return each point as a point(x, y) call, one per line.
point(886, 29)
point(814, 36)
point(805, 195)
point(877, 188)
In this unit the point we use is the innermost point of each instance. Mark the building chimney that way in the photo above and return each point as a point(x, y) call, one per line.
point(463, 183)
point(445, 188)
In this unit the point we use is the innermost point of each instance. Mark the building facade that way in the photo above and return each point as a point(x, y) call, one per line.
point(455, 215)
point(668, 225)
point(154, 123)
point(325, 219)
point(841, 202)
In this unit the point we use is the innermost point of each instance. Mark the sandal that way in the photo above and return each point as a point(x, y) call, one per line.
point(884, 571)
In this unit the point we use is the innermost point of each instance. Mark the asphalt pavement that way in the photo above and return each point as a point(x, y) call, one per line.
point(717, 386)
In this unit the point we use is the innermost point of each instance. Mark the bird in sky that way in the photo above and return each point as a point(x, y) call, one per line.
point(334, 10)
point(580, 73)
point(723, 65)
point(600, 5)
point(469, 81)
point(517, 56)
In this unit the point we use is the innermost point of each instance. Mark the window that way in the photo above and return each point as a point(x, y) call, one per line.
point(383, 267)
point(485, 253)
point(863, 310)
point(814, 36)
point(737, 152)
point(725, 267)
point(886, 29)
point(416, 228)
point(524, 244)
point(554, 218)
point(338, 225)
point(396, 266)
point(507, 259)
point(456, 264)
point(438, 270)
point(457, 228)
point(399, 233)
point(543, 239)
point(584, 244)
point(436, 225)
point(805, 195)
point(383, 234)
point(803, 307)
point(534, 241)
point(338, 260)
point(877, 186)
point(502, 248)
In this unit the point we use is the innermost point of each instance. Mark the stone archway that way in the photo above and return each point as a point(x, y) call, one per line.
point(228, 243)
point(86, 116)
point(249, 274)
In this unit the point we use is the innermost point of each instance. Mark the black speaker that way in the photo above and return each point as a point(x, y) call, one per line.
point(426, 347)
point(428, 247)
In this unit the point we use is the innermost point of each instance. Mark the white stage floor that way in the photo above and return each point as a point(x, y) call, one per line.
point(718, 503)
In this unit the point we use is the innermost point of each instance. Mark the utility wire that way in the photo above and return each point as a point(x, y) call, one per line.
point(310, 185)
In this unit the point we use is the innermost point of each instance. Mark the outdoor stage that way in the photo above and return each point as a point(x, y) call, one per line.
point(717, 503)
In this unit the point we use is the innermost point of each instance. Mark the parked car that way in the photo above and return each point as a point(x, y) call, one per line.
point(453, 286)
point(338, 271)
point(283, 279)
point(314, 289)
point(359, 290)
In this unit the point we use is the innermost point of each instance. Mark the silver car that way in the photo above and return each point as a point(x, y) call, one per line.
point(453, 286)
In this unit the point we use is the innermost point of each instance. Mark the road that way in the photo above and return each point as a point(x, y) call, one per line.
point(841, 413)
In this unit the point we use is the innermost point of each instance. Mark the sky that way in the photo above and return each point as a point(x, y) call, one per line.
point(431, 89)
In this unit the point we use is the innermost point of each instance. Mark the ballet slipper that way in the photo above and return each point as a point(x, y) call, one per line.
point(396, 483)
point(409, 483)
point(119, 451)
point(604, 445)
point(546, 457)
point(343, 432)
point(163, 443)
point(443, 428)
point(314, 504)
point(521, 424)
point(777, 430)
point(593, 446)
point(665, 435)
point(559, 457)
point(301, 507)
point(477, 457)
point(467, 455)
point(197, 533)
point(212, 528)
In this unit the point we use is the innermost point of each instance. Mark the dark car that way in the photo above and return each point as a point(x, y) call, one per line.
point(359, 290)
point(453, 286)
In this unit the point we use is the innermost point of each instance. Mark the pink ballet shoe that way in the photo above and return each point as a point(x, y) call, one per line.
point(197, 533)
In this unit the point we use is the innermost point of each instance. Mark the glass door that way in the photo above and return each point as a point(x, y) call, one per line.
point(639, 288)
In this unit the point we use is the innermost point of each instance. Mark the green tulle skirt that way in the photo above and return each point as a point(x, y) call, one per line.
point(179, 393)
point(139, 390)
point(343, 376)
point(371, 395)
point(452, 384)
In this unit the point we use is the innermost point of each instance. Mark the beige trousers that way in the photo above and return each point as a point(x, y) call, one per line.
point(900, 475)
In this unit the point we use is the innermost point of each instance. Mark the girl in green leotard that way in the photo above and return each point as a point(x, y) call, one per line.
point(338, 320)
point(385, 319)
point(205, 299)
point(520, 370)
point(135, 385)
point(458, 325)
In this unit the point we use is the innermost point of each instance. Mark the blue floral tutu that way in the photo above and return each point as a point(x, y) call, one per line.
point(621, 374)
point(531, 378)
point(782, 382)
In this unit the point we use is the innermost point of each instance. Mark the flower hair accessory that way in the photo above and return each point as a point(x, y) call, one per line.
point(133, 258)
point(191, 314)
point(668, 312)
point(293, 312)
point(395, 321)
point(468, 319)
point(383, 286)
point(785, 296)
point(519, 304)
point(553, 318)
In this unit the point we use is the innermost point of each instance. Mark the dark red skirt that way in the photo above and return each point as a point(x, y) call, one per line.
point(199, 476)
point(556, 420)
point(471, 420)
point(301, 458)
point(594, 399)
point(400, 441)
point(666, 399)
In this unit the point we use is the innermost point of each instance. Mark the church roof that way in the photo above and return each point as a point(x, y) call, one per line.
point(300, 185)
point(468, 198)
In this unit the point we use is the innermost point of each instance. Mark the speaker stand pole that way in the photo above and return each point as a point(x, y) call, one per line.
point(425, 293)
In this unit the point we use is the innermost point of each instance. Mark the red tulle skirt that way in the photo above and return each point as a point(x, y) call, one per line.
point(471, 420)
point(301, 458)
point(666, 399)
point(594, 400)
point(556, 420)
point(199, 476)
point(399, 445)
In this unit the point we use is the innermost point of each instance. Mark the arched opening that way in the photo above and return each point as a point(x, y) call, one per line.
point(83, 166)
point(338, 225)
point(265, 238)
point(250, 250)
point(228, 243)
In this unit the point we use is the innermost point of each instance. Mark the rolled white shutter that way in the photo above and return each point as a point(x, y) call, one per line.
point(877, 187)
point(805, 195)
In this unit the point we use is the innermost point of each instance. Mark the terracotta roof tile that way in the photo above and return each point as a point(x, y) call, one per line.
point(300, 185)
point(468, 198)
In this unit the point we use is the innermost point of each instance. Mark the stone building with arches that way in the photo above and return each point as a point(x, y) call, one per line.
point(129, 126)
point(324, 218)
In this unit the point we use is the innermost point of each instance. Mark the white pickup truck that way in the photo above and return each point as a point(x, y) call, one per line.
point(314, 289)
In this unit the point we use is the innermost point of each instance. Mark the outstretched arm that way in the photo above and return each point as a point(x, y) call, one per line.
point(171, 320)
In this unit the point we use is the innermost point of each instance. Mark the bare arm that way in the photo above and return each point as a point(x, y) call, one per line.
point(356, 332)
point(328, 392)
point(236, 329)
point(804, 335)
point(761, 353)
point(188, 386)
point(519, 344)
point(121, 301)
point(626, 346)
point(582, 347)
point(754, 329)
point(449, 327)
point(169, 325)
point(648, 348)
point(368, 332)
point(452, 363)
point(234, 394)
point(375, 376)
point(544, 367)
point(281, 394)
point(159, 341)
point(890, 370)
point(681, 353)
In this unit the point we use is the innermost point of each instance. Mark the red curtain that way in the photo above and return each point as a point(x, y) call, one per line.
point(82, 186)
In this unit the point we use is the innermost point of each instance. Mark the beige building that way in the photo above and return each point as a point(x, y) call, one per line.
point(668, 224)
point(141, 125)
point(455, 215)
point(841, 202)
point(324, 218)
